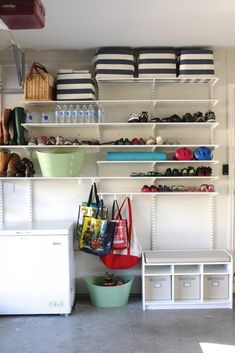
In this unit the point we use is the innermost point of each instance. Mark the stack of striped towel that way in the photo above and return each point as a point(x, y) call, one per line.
point(196, 63)
point(74, 85)
point(157, 63)
point(114, 63)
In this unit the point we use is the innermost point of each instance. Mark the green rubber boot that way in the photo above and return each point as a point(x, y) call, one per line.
point(12, 129)
point(20, 119)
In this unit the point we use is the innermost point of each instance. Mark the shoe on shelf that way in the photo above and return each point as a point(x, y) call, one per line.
point(143, 117)
point(159, 140)
point(210, 116)
point(153, 188)
point(41, 140)
point(207, 171)
point(141, 141)
point(151, 141)
point(191, 171)
point(198, 117)
point(12, 164)
point(32, 141)
point(188, 118)
point(68, 142)
point(155, 120)
point(51, 141)
point(145, 188)
point(168, 172)
point(135, 141)
point(175, 172)
point(127, 141)
point(133, 118)
point(210, 188)
point(203, 188)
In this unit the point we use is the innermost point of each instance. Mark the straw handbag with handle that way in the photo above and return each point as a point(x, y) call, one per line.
point(38, 84)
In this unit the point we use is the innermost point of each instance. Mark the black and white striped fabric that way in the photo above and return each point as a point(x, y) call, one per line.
point(157, 63)
point(196, 63)
point(114, 63)
point(74, 85)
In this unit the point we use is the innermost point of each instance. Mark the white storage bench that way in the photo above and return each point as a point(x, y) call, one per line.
point(187, 279)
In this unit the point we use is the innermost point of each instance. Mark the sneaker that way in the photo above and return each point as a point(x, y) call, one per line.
point(143, 117)
point(210, 116)
point(159, 140)
point(32, 141)
point(198, 117)
point(41, 140)
point(150, 141)
point(133, 118)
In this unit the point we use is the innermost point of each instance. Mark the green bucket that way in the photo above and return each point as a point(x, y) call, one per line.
point(64, 163)
point(108, 297)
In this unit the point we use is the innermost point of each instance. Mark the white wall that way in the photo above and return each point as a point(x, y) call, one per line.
point(182, 222)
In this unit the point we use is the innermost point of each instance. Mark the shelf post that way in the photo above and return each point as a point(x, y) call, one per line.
point(153, 223)
point(30, 201)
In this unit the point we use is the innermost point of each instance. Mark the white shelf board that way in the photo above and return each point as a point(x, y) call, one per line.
point(161, 162)
point(124, 124)
point(38, 177)
point(157, 193)
point(153, 102)
point(212, 80)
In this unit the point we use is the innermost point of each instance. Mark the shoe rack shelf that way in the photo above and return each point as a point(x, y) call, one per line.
point(187, 279)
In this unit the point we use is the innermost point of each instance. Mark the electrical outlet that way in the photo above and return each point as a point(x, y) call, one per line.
point(8, 188)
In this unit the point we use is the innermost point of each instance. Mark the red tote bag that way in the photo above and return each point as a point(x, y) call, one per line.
point(126, 258)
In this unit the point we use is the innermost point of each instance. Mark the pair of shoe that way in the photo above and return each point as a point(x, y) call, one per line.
point(138, 117)
point(151, 188)
point(203, 171)
point(155, 141)
point(198, 117)
point(207, 188)
point(190, 171)
point(8, 163)
point(169, 172)
point(148, 174)
point(126, 141)
point(11, 130)
point(25, 168)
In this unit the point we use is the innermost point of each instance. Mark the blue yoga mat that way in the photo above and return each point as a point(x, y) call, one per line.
point(136, 156)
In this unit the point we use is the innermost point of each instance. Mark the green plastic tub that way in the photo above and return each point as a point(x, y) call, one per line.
point(64, 163)
point(108, 297)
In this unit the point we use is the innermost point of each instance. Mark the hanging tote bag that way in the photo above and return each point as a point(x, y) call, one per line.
point(89, 208)
point(127, 258)
point(97, 233)
point(120, 240)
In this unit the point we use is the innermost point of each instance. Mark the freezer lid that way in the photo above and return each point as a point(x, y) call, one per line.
point(36, 228)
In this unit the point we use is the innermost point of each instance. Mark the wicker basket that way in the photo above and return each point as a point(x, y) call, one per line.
point(38, 84)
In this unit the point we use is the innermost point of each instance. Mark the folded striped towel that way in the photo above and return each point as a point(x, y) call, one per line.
point(157, 63)
point(74, 85)
point(114, 63)
point(197, 63)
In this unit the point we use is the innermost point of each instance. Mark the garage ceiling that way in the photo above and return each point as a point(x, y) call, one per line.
point(87, 24)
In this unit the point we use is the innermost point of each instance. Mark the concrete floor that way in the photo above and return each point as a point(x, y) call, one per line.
point(119, 330)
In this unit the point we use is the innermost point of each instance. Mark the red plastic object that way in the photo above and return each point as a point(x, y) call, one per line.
point(22, 14)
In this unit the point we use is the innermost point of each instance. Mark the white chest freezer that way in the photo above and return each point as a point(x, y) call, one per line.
point(36, 268)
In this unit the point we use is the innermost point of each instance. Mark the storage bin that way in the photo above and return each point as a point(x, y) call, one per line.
point(74, 85)
point(196, 63)
point(114, 63)
point(216, 287)
point(136, 156)
point(107, 297)
point(62, 163)
point(187, 287)
point(157, 63)
point(157, 288)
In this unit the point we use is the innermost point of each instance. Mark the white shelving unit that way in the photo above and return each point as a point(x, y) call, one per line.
point(187, 279)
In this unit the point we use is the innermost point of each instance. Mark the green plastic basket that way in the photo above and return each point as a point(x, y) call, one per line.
point(108, 297)
point(62, 163)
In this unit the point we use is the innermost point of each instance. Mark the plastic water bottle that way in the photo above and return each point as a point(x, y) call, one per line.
point(73, 117)
point(63, 113)
point(84, 113)
point(77, 109)
point(66, 114)
point(57, 114)
point(91, 113)
point(101, 113)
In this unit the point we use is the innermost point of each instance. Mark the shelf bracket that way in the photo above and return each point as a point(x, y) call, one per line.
point(1, 203)
point(20, 63)
point(153, 223)
point(30, 201)
point(212, 211)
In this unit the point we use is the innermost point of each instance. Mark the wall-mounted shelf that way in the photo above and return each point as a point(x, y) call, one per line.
point(139, 80)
